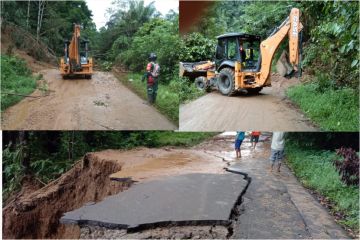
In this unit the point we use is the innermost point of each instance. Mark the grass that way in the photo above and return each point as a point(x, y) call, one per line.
point(16, 78)
point(332, 110)
point(315, 170)
point(184, 139)
point(167, 101)
point(186, 89)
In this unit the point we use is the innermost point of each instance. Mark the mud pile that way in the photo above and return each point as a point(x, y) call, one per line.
point(37, 214)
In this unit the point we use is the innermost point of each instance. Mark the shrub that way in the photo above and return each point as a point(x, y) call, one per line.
point(195, 47)
point(348, 167)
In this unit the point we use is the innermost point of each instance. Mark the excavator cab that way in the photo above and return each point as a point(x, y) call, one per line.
point(240, 47)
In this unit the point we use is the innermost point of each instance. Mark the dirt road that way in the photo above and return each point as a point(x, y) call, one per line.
point(267, 111)
point(101, 103)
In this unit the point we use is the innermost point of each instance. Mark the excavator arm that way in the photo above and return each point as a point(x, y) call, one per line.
point(291, 27)
point(74, 61)
point(74, 53)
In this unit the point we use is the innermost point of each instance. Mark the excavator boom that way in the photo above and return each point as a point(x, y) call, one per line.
point(291, 27)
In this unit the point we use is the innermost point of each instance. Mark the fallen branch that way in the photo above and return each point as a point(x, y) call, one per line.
point(20, 95)
point(106, 127)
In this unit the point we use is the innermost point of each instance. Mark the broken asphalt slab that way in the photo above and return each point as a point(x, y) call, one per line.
point(184, 199)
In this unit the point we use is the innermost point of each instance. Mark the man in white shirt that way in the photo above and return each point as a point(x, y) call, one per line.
point(277, 149)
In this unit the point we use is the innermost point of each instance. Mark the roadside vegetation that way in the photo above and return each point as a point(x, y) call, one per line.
point(333, 109)
point(16, 80)
point(167, 101)
point(44, 156)
point(332, 171)
point(330, 51)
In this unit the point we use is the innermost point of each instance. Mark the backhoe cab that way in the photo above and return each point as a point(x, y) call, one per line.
point(76, 61)
point(243, 61)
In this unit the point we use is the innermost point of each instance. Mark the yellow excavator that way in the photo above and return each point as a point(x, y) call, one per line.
point(243, 61)
point(76, 61)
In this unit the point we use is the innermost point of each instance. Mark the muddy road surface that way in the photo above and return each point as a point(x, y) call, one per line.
point(268, 111)
point(102, 103)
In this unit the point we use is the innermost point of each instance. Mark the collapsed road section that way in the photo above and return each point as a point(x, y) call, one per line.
point(190, 199)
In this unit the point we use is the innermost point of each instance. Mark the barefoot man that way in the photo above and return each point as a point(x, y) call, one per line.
point(277, 150)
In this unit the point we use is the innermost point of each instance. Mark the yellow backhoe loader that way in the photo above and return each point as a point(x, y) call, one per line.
point(243, 61)
point(76, 61)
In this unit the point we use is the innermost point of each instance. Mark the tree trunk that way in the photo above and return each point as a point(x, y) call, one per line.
point(28, 15)
point(25, 159)
point(40, 17)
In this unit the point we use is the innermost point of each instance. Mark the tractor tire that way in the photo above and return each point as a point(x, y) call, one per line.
point(254, 90)
point(226, 81)
point(200, 83)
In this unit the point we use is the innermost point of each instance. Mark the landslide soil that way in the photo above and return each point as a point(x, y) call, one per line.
point(36, 213)
point(102, 103)
point(267, 111)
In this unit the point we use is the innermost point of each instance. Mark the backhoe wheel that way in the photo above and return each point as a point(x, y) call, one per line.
point(254, 90)
point(226, 81)
point(200, 83)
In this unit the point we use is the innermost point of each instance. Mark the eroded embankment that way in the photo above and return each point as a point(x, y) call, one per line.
point(36, 215)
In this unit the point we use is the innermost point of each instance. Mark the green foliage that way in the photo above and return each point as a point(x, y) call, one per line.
point(334, 110)
point(15, 78)
point(12, 169)
point(183, 139)
point(325, 140)
point(185, 89)
point(57, 23)
point(106, 66)
point(260, 17)
point(333, 46)
point(159, 36)
point(127, 17)
point(196, 47)
point(315, 170)
point(167, 100)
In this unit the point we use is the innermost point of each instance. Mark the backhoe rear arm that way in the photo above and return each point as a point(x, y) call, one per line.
point(291, 27)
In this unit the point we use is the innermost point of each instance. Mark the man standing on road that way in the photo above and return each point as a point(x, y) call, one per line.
point(240, 136)
point(254, 139)
point(277, 150)
point(151, 75)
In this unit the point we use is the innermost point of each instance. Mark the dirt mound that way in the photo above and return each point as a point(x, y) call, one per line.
point(16, 38)
point(169, 232)
point(8, 47)
point(280, 84)
point(37, 214)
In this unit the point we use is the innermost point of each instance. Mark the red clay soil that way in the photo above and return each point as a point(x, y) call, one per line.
point(37, 214)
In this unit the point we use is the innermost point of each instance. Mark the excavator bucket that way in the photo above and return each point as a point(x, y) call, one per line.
point(195, 69)
point(283, 65)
